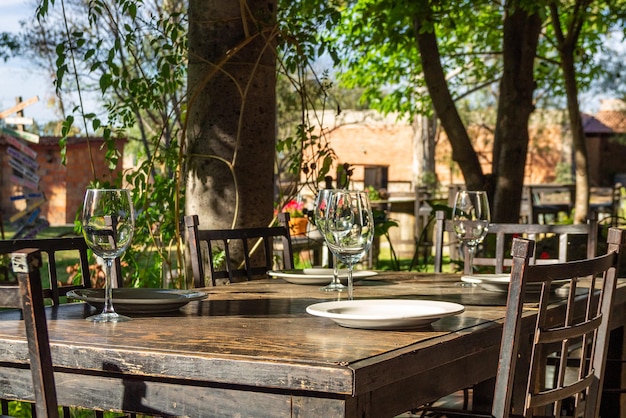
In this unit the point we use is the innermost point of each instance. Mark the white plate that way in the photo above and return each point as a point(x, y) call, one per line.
point(139, 300)
point(500, 282)
point(318, 276)
point(491, 282)
point(385, 313)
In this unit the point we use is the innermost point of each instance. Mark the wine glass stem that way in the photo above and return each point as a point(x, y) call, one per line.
point(349, 281)
point(471, 249)
point(335, 271)
point(108, 291)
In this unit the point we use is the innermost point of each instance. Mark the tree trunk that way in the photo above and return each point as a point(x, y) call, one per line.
point(231, 114)
point(567, 46)
point(424, 130)
point(462, 150)
point(581, 208)
point(515, 104)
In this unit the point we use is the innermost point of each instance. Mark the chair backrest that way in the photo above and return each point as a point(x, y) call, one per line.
point(501, 235)
point(591, 283)
point(244, 241)
point(53, 247)
point(26, 264)
point(549, 199)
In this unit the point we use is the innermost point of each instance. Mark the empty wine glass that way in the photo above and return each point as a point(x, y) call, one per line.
point(348, 227)
point(108, 222)
point(321, 206)
point(471, 220)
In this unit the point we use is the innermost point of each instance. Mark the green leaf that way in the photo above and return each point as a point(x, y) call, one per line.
point(105, 82)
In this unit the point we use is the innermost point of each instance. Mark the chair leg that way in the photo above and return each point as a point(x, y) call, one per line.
point(614, 377)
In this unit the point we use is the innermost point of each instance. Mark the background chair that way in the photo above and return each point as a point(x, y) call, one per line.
point(499, 237)
point(53, 247)
point(255, 244)
point(521, 387)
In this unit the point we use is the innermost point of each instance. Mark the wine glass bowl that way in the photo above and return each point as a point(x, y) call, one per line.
point(106, 237)
point(321, 207)
point(348, 227)
point(470, 219)
point(108, 224)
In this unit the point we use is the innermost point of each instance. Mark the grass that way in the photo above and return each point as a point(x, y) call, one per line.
point(50, 232)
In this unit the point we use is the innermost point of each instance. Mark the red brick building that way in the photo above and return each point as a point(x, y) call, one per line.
point(367, 139)
point(606, 143)
point(370, 140)
point(63, 185)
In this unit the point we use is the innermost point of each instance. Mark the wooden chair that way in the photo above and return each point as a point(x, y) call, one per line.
point(52, 247)
point(227, 240)
point(608, 204)
point(27, 295)
point(549, 200)
point(503, 234)
point(521, 387)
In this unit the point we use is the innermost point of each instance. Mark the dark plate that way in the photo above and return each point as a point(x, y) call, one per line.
point(139, 300)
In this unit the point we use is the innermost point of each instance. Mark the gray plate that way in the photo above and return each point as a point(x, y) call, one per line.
point(139, 300)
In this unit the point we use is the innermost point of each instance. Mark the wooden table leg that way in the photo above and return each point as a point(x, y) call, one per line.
point(482, 395)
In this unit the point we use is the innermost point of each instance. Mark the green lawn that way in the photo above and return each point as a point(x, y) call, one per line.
point(49, 232)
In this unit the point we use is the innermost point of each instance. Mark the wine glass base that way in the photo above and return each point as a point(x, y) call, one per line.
point(108, 317)
point(465, 284)
point(334, 287)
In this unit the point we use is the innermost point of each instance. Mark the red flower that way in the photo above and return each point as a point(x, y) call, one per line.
point(294, 208)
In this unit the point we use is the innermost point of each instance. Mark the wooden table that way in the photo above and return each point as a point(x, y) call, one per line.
point(250, 349)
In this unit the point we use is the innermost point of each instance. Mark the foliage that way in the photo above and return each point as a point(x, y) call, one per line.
point(302, 144)
point(135, 52)
point(563, 173)
point(133, 55)
point(9, 45)
point(378, 43)
point(379, 51)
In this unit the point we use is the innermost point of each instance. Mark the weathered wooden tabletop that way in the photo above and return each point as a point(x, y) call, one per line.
point(251, 349)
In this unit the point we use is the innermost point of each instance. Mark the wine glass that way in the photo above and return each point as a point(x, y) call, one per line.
point(108, 222)
point(321, 206)
point(348, 227)
point(471, 220)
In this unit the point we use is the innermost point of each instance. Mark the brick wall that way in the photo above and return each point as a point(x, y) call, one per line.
point(63, 185)
point(363, 138)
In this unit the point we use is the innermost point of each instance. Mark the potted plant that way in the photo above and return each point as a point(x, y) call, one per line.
point(297, 219)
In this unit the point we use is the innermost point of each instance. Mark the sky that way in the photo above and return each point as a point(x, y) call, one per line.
point(17, 76)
